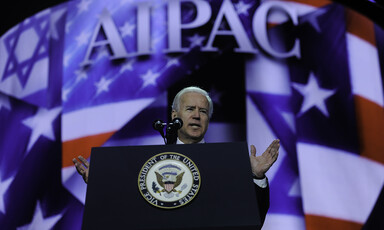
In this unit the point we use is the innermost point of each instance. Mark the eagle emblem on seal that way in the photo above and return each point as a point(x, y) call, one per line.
point(169, 177)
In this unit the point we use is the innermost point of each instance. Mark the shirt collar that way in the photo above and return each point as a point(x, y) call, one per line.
point(178, 142)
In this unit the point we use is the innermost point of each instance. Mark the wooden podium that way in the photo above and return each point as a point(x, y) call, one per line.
point(226, 198)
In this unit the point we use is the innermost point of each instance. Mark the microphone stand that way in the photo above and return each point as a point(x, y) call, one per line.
point(171, 136)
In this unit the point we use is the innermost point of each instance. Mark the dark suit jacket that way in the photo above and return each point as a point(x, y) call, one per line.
point(263, 201)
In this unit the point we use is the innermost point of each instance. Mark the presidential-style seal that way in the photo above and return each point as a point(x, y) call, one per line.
point(169, 180)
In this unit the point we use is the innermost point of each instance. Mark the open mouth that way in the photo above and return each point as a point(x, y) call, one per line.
point(195, 125)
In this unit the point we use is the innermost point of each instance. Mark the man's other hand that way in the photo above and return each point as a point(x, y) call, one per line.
point(82, 167)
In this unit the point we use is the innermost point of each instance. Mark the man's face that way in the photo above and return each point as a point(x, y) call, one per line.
point(194, 109)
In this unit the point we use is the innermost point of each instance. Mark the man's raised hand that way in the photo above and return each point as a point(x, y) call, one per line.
point(261, 164)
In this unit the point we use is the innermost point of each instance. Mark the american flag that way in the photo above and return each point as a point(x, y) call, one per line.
point(326, 107)
point(327, 110)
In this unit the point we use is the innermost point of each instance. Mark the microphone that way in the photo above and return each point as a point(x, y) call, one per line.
point(176, 124)
point(171, 130)
point(158, 125)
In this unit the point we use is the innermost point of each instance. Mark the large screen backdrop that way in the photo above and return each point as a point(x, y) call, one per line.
point(97, 73)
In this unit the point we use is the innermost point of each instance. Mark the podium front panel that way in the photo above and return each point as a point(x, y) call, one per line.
point(226, 198)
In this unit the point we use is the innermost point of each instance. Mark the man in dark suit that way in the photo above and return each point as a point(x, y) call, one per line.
point(194, 107)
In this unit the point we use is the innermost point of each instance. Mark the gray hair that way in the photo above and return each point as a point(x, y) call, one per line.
point(194, 89)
